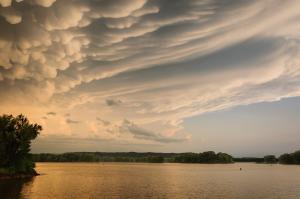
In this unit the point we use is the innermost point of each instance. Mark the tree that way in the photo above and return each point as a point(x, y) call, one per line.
point(205, 157)
point(290, 158)
point(16, 134)
point(296, 156)
point(271, 159)
point(224, 158)
point(286, 159)
point(208, 157)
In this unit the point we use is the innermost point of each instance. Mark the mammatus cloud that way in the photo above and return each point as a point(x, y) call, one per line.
point(159, 61)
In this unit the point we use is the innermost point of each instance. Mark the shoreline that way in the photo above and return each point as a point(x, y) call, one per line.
point(18, 176)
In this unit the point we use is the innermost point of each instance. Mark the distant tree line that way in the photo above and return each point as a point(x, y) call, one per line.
point(249, 159)
point(290, 158)
point(99, 157)
point(287, 158)
point(270, 159)
point(205, 157)
point(16, 134)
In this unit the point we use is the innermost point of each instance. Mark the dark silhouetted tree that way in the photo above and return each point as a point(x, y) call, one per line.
point(16, 134)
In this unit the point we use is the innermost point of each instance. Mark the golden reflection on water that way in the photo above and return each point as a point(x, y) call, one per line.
point(124, 180)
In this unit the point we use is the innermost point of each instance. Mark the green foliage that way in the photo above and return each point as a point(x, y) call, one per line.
point(296, 156)
point(249, 159)
point(286, 159)
point(205, 157)
point(270, 159)
point(16, 134)
point(98, 157)
point(292, 158)
point(224, 158)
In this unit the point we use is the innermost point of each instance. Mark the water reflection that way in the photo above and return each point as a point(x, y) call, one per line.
point(174, 181)
point(13, 188)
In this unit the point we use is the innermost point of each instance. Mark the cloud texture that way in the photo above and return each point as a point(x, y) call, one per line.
point(143, 66)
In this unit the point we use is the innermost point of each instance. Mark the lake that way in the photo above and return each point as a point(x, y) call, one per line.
point(126, 180)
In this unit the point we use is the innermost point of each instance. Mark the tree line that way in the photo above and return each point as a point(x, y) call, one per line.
point(205, 157)
point(290, 158)
point(286, 158)
point(98, 157)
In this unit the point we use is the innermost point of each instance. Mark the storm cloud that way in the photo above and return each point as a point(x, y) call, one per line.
point(154, 62)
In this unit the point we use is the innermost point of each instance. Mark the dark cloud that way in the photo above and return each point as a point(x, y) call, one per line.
point(68, 58)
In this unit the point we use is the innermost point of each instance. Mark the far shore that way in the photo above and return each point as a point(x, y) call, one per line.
point(207, 157)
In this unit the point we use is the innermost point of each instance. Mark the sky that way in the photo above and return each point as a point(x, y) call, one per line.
point(154, 75)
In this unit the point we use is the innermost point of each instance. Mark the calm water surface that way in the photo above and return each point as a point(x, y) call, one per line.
point(124, 180)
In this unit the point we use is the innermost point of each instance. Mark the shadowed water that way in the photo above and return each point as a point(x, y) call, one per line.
point(124, 180)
